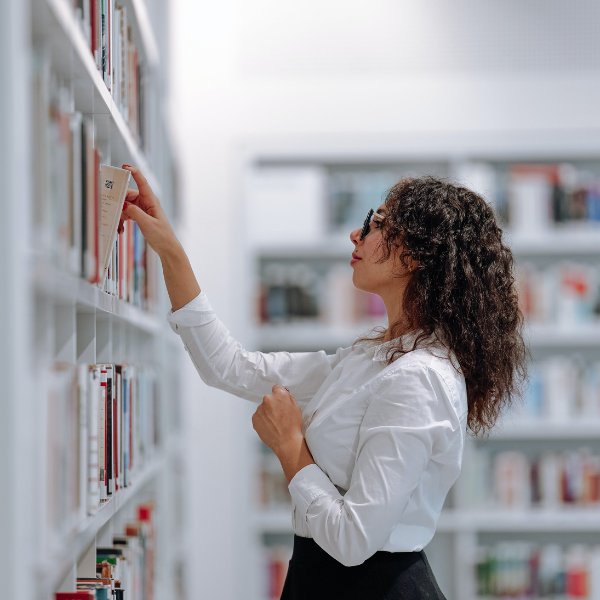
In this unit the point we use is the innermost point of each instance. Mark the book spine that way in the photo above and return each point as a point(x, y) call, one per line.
point(109, 430)
point(102, 436)
point(84, 433)
point(93, 465)
point(96, 217)
point(126, 437)
point(77, 183)
point(121, 241)
point(115, 437)
point(93, 29)
point(119, 389)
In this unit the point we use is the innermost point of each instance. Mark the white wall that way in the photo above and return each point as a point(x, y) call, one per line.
point(343, 74)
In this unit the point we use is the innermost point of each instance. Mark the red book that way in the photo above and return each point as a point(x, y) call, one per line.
point(130, 258)
point(81, 595)
point(120, 273)
point(97, 212)
point(130, 424)
point(104, 384)
point(93, 25)
point(115, 454)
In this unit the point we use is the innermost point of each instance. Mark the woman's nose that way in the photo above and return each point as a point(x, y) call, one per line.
point(355, 236)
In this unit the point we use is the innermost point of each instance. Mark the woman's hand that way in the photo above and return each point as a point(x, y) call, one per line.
point(143, 207)
point(278, 422)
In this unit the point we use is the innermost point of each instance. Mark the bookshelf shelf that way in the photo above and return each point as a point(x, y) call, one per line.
point(60, 285)
point(278, 520)
point(569, 241)
point(545, 429)
point(85, 533)
point(568, 336)
point(307, 336)
point(567, 520)
point(274, 520)
point(75, 62)
point(312, 335)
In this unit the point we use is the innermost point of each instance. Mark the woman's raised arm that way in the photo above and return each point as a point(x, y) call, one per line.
point(143, 207)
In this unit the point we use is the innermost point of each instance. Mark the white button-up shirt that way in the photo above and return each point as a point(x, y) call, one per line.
point(387, 440)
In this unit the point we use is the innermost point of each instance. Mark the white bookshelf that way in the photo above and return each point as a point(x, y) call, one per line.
point(51, 315)
point(462, 526)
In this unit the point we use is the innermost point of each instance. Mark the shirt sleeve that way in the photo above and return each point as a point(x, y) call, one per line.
point(223, 363)
point(411, 420)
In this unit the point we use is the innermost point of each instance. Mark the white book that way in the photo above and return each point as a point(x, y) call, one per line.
point(76, 197)
point(82, 386)
point(124, 242)
point(102, 435)
point(110, 462)
point(93, 467)
point(118, 433)
point(113, 185)
point(126, 421)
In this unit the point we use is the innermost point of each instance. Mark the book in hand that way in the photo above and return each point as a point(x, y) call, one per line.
point(113, 184)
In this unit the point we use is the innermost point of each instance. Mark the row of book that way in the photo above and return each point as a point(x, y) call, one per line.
point(67, 209)
point(522, 569)
point(563, 387)
point(565, 293)
point(513, 480)
point(301, 291)
point(539, 196)
point(110, 38)
point(102, 430)
point(125, 570)
point(529, 197)
point(272, 485)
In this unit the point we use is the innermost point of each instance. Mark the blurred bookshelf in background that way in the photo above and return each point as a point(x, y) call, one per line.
point(525, 513)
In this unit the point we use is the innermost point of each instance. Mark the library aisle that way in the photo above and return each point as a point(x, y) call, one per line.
point(268, 130)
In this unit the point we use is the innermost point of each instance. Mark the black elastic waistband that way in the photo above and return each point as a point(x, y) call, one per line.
point(307, 550)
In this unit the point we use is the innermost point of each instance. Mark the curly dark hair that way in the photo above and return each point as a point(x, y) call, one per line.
point(461, 292)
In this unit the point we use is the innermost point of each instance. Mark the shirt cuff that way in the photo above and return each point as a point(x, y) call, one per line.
point(196, 312)
point(308, 484)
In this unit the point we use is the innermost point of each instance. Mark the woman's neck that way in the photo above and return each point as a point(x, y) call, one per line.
point(397, 324)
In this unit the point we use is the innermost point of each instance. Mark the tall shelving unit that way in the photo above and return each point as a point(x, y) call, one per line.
point(462, 528)
point(50, 315)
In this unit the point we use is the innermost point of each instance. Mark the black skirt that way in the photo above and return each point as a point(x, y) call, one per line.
point(315, 575)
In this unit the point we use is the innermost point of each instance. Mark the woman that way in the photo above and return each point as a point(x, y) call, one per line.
point(371, 438)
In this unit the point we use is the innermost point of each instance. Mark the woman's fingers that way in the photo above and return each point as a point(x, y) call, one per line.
point(135, 213)
point(143, 186)
point(132, 195)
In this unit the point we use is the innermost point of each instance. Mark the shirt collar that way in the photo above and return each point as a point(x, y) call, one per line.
point(377, 351)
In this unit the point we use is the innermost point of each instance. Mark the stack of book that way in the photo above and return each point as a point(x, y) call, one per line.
point(273, 487)
point(124, 570)
point(301, 292)
point(102, 431)
point(523, 569)
point(111, 42)
point(564, 293)
point(550, 480)
point(563, 387)
point(67, 209)
point(541, 196)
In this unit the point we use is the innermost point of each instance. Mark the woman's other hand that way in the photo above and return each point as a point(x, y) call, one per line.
point(278, 422)
point(143, 207)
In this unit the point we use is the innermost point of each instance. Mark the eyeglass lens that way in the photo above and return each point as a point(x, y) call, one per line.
point(366, 227)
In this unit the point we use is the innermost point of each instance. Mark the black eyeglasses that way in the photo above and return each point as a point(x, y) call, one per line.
point(367, 224)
